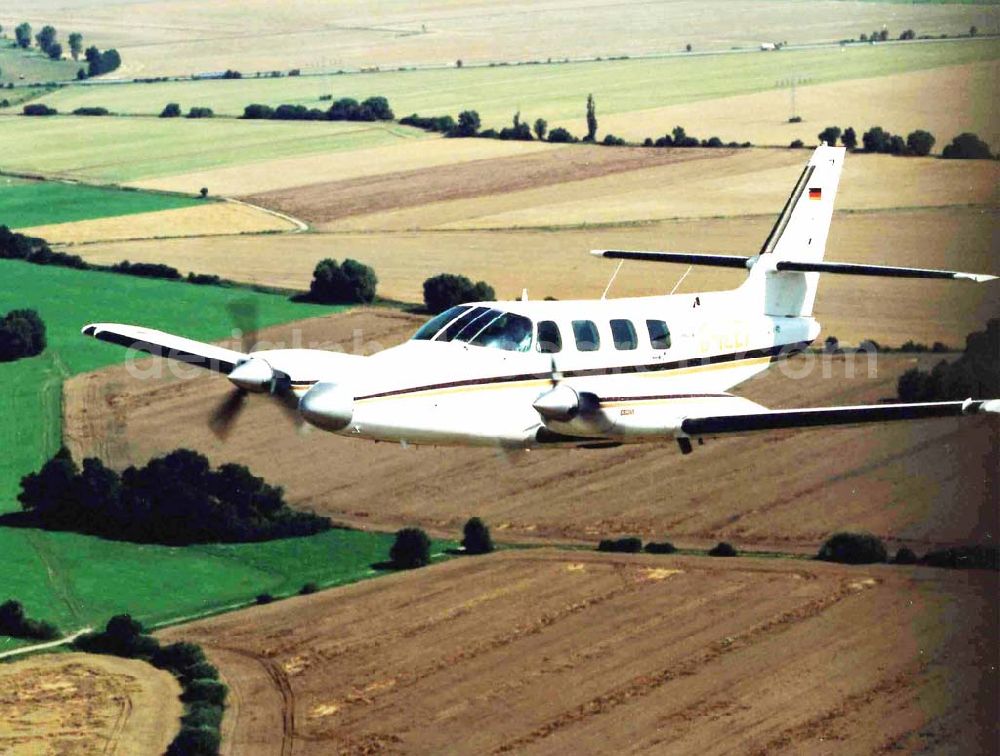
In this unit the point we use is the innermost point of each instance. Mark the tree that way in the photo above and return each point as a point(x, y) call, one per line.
point(468, 124)
point(687, 47)
point(379, 108)
point(411, 549)
point(349, 283)
point(967, 147)
point(256, 111)
point(55, 51)
point(559, 135)
point(875, 140)
point(200, 113)
point(22, 33)
point(476, 538)
point(171, 110)
point(22, 334)
point(896, 145)
point(908, 34)
point(830, 135)
point(203, 192)
point(973, 31)
point(447, 290)
point(75, 44)
point(45, 38)
point(591, 119)
point(541, 126)
point(723, 549)
point(919, 143)
point(849, 138)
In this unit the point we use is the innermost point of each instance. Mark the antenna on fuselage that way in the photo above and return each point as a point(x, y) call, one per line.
point(613, 276)
point(681, 279)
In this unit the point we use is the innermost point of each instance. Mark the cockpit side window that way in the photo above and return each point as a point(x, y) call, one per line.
point(429, 329)
point(509, 332)
point(549, 338)
point(586, 335)
point(623, 332)
point(474, 326)
point(456, 326)
point(659, 334)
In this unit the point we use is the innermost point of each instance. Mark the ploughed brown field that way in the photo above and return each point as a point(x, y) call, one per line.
point(84, 703)
point(923, 484)
point(559, 652)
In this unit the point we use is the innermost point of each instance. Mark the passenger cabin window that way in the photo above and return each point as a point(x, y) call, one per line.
point(429, 329)
point(659, 334)
point(586, 335)
point(623, 333)
point(549, 338)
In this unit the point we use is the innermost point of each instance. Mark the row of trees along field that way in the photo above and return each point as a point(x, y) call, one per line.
point(918, 143)
point(98, 62)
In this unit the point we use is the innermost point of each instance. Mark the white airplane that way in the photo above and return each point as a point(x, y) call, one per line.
point(588, 373)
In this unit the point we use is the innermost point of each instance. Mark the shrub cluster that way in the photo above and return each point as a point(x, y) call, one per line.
point(853, 548)
point(344, 109)
point(91, 111)
point(975, 374)
point(865, 548)
point(203, 695)
point(200, 113)
point(411, 549)
point(349, 282)
point(723, 549)
point(38, 109)
point(101, 62)
point(22, 334)
point(446, 290)
point(176, 499)
point(440, 124)
point(626, 545)
point(660, 547)
point(171, 110)
point(967, 146)
point(14, 623)
point(476, 537)
point(145, 270)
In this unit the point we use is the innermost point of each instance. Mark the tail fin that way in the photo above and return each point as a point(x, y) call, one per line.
point(799, 235)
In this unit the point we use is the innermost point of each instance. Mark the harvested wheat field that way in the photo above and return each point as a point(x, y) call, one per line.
point(84, 703)
point(920, 484)
point(944, 101)
point(217, 218)
point(558, 264)
point(557, 652)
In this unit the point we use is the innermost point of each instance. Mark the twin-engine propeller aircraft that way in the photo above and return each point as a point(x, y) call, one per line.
point(590, 373)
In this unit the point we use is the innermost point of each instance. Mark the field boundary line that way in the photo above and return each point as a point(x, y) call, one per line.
point(300, 225)
point(43, 646)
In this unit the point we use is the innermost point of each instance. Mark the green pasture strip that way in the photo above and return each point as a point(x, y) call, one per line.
point(128, 149)
point(554, 92)
point(37, 203)
point(29, 66)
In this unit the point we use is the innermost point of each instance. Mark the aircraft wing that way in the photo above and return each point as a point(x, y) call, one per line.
point(815, 417)
point(198, 353)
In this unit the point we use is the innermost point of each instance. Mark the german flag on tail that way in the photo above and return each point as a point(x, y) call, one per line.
point(815, 194)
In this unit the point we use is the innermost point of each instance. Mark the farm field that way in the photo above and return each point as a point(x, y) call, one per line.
point(584, 652)
point(19, 66)
point(213, 36)
point(555, 92)
point(127, 149)
point(64, 577)
point(37, 203)
point(918, 484)
point(205, 219)
point(84, 703)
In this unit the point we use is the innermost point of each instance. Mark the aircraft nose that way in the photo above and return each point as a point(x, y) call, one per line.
point(329, 406)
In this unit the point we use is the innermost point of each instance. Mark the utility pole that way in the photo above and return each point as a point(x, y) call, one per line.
point(792, 82)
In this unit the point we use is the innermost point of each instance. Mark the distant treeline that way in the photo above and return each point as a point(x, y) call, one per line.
point(918, 143)
point(976, 374)
point(176, 499)
point(344, 109)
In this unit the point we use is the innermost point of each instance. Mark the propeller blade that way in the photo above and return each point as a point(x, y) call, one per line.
point(281, 389)
point(246, 319)
point(224, 416)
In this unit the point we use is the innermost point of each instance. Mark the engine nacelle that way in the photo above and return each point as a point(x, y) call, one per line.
point(329, 406)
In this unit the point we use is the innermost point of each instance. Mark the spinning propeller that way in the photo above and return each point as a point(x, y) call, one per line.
point(563, 403)
point(251, 375)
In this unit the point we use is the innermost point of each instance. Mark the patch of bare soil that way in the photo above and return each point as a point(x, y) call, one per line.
point(83, 703)
point(922, 484)
point(556, 652)
point(322, 203)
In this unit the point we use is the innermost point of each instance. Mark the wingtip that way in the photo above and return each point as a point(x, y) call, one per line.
point(598, 252)
point(89, 330)
point(977, 277)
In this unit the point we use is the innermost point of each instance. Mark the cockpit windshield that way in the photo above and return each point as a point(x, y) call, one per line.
point(480, 326)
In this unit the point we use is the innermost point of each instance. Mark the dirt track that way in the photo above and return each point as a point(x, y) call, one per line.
point(83, 703)
point(918, 483)
point(556, 652)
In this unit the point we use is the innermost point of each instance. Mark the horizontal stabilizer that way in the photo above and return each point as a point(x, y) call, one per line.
point(879, 270)
point(817, 417)
point(684, 258)
point(797, 266)
point(208, 356)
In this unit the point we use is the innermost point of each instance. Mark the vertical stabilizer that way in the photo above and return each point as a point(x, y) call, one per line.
point(799, 234)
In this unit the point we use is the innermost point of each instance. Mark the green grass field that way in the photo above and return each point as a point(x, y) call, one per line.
point(554, 92)
point(36, 203)
point(77, 580)
point(127, 149)
point(28, 66)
